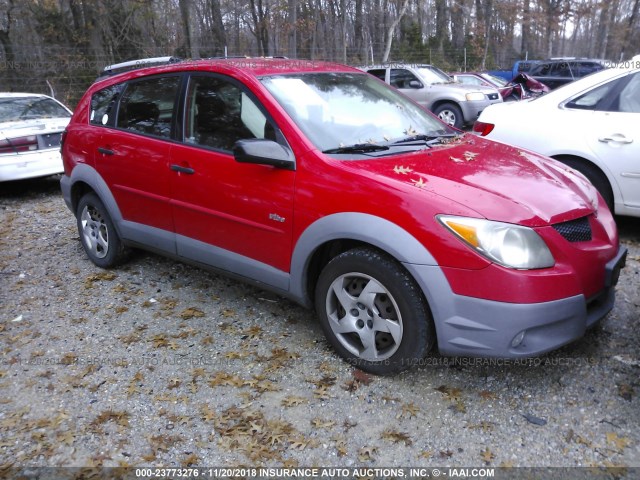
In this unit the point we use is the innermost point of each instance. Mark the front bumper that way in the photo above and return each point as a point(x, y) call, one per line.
point(471, 110)
point(475, 327)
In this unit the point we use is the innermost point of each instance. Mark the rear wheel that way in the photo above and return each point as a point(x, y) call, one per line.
point(97, 233)
point(594, 175)
point(372, 312)
point(450, 114)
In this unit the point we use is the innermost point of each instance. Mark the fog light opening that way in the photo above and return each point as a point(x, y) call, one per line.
point(518, 339)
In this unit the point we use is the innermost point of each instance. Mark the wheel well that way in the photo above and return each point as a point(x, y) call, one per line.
point(442, 102)
point(573, 159)
point(78, 190)
point(326, 252)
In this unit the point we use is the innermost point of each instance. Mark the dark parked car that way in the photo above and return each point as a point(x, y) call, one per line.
point(557, 72)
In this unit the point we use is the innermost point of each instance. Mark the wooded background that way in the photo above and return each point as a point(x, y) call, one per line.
point(60, 46)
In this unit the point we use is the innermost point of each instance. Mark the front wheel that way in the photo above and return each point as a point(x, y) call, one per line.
point(372, 312)
point(97, 233)
point(450, 114)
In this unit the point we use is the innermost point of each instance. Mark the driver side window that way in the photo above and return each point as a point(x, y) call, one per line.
point(219, 113)
point(401, 78)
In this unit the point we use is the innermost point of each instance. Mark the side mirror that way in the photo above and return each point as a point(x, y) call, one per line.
point(415, 84)
point(264, 152)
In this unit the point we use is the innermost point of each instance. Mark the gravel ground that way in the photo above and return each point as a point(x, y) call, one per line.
point(157, 363)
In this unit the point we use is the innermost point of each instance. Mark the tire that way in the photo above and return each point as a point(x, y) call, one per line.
point(97, 233)
point(450, 114)
point(594, 175)
point(373, 313)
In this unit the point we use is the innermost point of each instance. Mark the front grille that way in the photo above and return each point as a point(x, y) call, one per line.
point(493, 96)
point(578, 230)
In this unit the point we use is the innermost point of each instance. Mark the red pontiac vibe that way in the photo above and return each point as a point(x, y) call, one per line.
point(321, 183)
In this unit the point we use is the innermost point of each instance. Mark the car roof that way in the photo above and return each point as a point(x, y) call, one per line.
point(399, 65)
point(252, 66)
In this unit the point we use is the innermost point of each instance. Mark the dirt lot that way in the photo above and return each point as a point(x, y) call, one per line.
point(160, 363)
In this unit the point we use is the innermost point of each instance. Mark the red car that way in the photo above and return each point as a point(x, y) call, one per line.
point(321, 183)
point(520, 87)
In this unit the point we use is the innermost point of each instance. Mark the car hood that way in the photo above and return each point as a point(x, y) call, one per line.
point(497, 181)
point(32, 127)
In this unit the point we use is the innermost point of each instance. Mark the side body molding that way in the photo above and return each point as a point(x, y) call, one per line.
point(371, 229)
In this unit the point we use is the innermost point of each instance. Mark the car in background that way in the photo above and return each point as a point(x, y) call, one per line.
point(31, 127)
point(591, 125)
point(556, 72)
point(521, 87)
point(455, 104)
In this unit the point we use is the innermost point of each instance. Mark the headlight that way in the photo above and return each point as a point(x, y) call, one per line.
point(474, 96)
point(511, 246)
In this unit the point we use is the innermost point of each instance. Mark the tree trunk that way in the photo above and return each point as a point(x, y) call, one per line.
point(293, 28)
point(394, 24)
point(441, 24)
point(218, 33)
point(526, 28)
point(186, 28)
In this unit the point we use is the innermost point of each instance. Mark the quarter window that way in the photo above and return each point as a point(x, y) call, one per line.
point(103, 105)
point(630, 95)
point(147, 106)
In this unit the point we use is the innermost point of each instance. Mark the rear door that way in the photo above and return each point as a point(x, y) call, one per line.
point(235, 216)
point(132, 156)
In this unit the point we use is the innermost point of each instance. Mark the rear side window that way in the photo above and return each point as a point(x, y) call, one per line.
point(147, 106)
point(103, 105)
point(593, 98)
point(378, 72)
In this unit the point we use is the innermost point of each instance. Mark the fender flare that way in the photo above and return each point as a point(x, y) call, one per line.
point(89, 175)
point(376, 231)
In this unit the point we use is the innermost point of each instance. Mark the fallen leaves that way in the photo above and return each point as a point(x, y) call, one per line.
point(396, 437)
point(191, 312)
point(617, 442)
point(402, 170)
point(487, 455)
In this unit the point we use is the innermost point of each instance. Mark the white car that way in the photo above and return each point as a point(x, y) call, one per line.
point(31, 127)
point(591, 125)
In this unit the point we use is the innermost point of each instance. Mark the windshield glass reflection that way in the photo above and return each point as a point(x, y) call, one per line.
point(337, 110)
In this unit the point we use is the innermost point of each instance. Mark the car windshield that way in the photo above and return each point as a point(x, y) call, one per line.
point(500, 82)
point(28, 108)
point(338, 110)
point(433, 75)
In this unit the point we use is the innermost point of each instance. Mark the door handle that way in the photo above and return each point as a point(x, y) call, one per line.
point(616, 137)
point(181, 169)
point(105, 151)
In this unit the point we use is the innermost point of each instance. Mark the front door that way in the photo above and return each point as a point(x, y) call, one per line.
point(235, 216)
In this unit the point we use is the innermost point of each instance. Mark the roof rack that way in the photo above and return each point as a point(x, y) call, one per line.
point(134, 64)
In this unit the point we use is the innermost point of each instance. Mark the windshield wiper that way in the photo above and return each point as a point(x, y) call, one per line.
point(422, 137)
point(358, 148)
